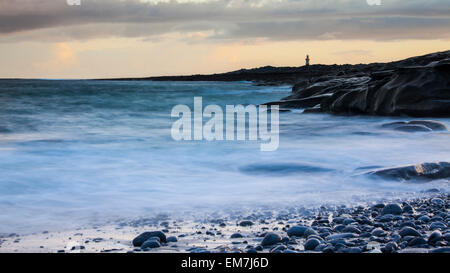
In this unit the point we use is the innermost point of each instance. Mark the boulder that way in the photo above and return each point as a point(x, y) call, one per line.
point(421, 172)
point(418, 87)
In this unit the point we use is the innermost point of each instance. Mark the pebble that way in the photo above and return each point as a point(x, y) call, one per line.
point(351, 229)
point(378, 232)
point(297, 231)
point(393, 208)
point(236, 235)
point(311, 244)
point(151, 243)
point(418, 241)
point(139, 240)
point(390, 247)
point(172, 239)
point(437, 202)
point(246, 223)
point(271, 239)
point(438, 225)
point(434, 237)
point(409, 231)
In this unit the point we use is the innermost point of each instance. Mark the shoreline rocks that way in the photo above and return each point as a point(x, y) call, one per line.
point(413, 226)
point(421, 172)
point(418, 87)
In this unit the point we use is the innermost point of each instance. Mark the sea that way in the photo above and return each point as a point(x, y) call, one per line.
point(84, 152)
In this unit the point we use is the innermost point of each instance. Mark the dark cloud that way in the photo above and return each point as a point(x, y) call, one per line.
point(228, 19)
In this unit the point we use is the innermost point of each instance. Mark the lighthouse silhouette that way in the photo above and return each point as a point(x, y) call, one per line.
point(307, 60)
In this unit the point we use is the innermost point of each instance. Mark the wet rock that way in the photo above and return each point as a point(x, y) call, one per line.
point(424, 219)
point(172, 239)
point(417, 126)
point(437, 202)
point(236, 235)
point(418, 241)
point(139, 240)
point(278, 249)
point(394, 209)
point(297, 231)
point(409, 231)
point(390, 247)
point(378, 232)
point(246, 223)
point(438, 225)
point(271, 239)
point(311, 244)
point(351, 229)
point(408, 209)
point(151, 243)
point(385, 218)
point(420, 172)
point(309, 232)
point(434, 237)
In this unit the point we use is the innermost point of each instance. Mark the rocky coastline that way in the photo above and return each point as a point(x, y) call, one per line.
point(415, 225)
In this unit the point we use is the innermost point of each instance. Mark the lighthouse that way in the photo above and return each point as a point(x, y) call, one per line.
point(307, 60)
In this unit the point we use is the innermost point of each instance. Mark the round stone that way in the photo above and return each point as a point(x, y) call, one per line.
point(271, 239)
point(393, 208)
point(435, 236)
point(309, 232)
point(437, 202)
point(151, 243)
point(246, 223)
point(311, 244)
point(409, 231)
point(297, 231)
point(172, 239)
point(236, 235)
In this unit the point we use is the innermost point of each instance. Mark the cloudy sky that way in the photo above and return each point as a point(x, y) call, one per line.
point(133, 38)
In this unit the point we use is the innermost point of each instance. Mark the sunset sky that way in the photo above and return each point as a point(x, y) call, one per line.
point(133, 38)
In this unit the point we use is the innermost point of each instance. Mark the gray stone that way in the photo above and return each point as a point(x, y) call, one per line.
point(172, 239)
point(151, 243)
point(394, 209)
point(435, 236)
point(297, 231)
point(311, 244)
point(271, 239)
point(246, 223)
point(409, 231)
point(139, 240)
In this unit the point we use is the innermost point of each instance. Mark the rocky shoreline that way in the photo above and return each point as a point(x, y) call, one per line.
point(418, 87)
point(418, 225)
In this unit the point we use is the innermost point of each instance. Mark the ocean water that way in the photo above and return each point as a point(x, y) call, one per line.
point(80, 152)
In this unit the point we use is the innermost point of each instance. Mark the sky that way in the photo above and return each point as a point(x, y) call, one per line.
point(137, 38)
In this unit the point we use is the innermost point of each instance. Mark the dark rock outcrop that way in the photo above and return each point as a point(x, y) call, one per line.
point(418, 86)
point(421, 172)
point(416, 126)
